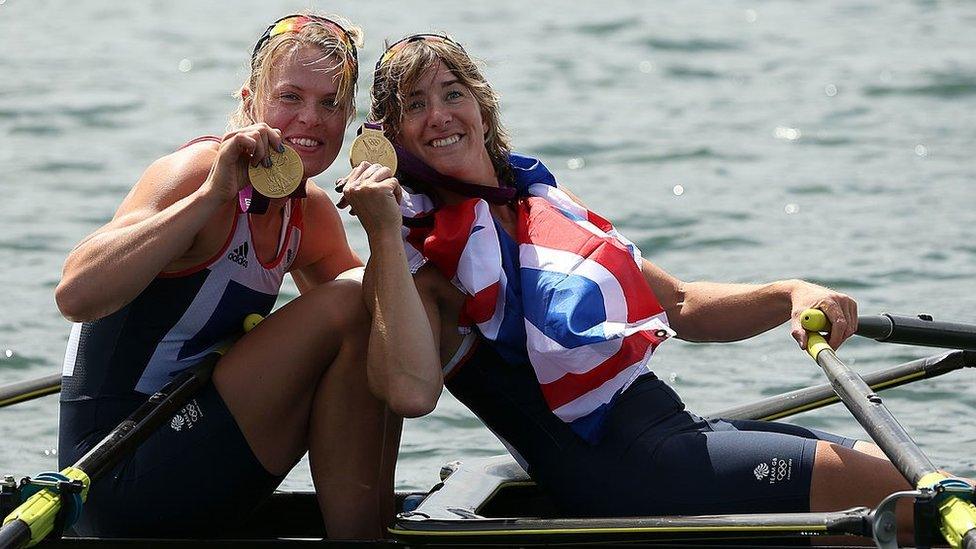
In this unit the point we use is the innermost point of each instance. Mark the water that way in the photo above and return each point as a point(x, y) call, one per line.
point(733, 141)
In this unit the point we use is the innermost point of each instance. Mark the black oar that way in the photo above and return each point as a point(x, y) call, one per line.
point(34, 519)
point(30, 389)
point(918, 330)
point(818, 396)
point(957, 516)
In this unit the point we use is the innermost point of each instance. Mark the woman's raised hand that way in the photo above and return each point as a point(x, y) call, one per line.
point(373, 195)
point(250, 145)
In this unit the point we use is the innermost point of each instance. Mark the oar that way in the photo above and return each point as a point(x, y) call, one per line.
point(918, 330)
point(957, 516)
point(818, 396)
point(29, 389)
point(66, 491)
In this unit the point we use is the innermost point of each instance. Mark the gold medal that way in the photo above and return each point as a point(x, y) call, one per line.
point(373, 147)
point(282, 178)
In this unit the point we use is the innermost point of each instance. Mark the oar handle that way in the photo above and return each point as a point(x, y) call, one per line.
point(920, 330)
point(815, 321)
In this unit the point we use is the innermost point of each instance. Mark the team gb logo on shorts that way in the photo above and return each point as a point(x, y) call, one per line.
point(187, 416)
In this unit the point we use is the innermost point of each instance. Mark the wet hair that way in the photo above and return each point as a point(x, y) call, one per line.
point(396, 77)
point(312, 33)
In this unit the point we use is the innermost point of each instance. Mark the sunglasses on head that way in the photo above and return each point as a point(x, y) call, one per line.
point(295, 23)
point(398, 46)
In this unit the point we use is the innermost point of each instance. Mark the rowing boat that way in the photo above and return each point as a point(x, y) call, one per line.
point(494, 502)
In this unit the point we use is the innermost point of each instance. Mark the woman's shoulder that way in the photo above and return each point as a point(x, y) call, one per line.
point(194, 156)
point(171, 177)
point(185, 168)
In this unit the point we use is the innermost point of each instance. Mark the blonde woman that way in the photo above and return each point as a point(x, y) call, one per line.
point(189, 253)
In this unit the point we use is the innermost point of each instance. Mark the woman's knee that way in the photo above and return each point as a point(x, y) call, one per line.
point(338, 305)
point(844, 477)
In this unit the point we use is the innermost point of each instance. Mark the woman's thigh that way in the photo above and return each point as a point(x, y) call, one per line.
point(270, 377)
point(728, 471)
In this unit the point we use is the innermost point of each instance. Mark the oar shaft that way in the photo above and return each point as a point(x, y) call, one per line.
point(818, 396)
point(15, 534)
point(918, 330)
point(869, 410)
point(144, 421)
point(22, 391)
point(40, 511)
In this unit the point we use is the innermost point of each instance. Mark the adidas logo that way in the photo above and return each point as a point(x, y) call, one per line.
point(239, 255)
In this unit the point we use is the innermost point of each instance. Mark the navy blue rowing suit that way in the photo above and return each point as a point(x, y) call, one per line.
point(654, 457)
point(196, 473)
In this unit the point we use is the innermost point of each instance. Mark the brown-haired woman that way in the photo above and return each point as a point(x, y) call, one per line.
point(593, 426)
point(187, 256)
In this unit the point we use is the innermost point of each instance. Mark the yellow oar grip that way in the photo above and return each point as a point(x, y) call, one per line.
point(815, 344)
point(815, 321)
point(40, 511)
point(958, 515)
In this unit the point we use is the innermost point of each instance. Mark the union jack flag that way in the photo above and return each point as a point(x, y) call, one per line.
point(572, 300)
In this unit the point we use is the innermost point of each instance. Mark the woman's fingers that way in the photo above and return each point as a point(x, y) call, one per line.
point(838, 322)
point(852, 316)
point(840, 309)
point(243, 147)
point(260, 139)
point(797, 331)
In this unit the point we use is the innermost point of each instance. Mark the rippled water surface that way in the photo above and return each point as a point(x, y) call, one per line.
point(733, 141)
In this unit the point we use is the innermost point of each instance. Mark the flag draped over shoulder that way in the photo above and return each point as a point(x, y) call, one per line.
point(590, 320)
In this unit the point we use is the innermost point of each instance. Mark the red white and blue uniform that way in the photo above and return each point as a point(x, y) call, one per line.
point(562, 327)
point(114, 363)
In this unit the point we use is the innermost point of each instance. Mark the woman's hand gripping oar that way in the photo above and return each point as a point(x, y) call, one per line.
point(952, 498)
point(56, 499)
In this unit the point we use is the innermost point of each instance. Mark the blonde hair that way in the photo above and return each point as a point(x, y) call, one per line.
point(394, 78)
point(312, 33)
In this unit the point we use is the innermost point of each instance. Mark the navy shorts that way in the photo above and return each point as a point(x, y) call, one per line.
point(195, 476)
point(655, 458)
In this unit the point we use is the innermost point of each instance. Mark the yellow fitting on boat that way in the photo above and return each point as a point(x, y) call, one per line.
point(77, 474)
point(958, 515)
point(40, 511)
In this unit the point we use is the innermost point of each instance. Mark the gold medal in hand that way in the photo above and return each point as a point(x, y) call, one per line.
point(373, 147)
point(282, 178)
